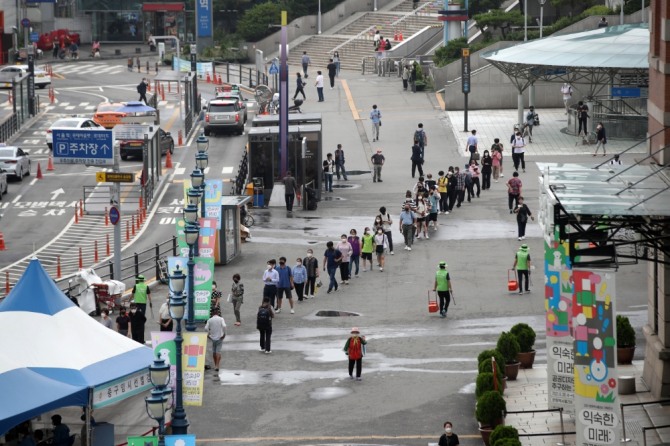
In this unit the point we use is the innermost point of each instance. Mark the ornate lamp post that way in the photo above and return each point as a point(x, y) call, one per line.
point(156, 404)
point(177, 304)
point(192, 233)
point(201, 161)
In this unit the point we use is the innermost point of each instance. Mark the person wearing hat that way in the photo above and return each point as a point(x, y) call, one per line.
point(354, 349)
point(442, 286)
point(61, 432)
point(377, 163)
point(522, 266)
point(141, 293)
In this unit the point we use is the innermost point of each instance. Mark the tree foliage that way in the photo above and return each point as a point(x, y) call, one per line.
point(480, 6)
point(499, 19)
point(256, 21)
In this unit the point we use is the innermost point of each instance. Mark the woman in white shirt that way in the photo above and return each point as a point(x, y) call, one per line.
point(346, 249)
point(421, 214)
point(381, 244)
point(518, 152)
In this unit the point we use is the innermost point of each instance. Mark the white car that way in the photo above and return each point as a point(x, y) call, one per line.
point(42, 78)
point(3, 182)
point(70, 124)
point(14, 161)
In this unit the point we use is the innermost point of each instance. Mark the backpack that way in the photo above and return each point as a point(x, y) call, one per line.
point(263, 318)
point(139, 87)
point(418, 136)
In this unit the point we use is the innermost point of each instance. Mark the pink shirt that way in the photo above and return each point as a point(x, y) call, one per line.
point(496, 159)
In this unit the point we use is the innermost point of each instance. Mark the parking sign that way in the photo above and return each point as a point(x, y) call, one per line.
point(83, 146)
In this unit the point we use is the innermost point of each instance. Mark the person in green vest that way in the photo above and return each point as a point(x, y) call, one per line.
point(443, 287)
point(522, 266)
point(141, 293)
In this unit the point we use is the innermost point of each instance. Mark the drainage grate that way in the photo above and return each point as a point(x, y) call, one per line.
point(335, 313)
point(343, 186)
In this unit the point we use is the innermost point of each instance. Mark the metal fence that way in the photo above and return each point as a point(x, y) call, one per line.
point(623, 118)
point(8, 127)
point(242, 174)
point(232, 73)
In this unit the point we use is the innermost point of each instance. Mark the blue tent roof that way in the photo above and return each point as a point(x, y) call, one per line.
point(54, 353)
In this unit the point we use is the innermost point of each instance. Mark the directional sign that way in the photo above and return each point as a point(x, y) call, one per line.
point(274, 69)
point(114, 215)
point(114, 177)
point(34, 37)
point(25, 23)
point(626, 92)
point(83, 146)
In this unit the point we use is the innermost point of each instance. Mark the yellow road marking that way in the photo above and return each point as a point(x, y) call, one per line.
point(440, 100)
point(350, 100)
point(328, 438)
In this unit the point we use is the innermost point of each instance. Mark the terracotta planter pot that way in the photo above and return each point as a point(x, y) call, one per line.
point(485, 432)
point(526, 359)
point(512, 370)
point(624, 355)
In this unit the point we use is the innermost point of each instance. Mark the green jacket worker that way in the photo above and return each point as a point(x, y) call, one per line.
point(522, 266)
point(443, 287)
point(141, 293)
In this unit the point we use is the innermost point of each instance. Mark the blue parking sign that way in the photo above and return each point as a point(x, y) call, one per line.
point(94, 147)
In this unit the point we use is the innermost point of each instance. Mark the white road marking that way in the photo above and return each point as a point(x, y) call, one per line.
point(227, 170)
point(18, 197)
point(179, 170)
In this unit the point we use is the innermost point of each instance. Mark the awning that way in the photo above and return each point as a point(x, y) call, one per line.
point(162, 7)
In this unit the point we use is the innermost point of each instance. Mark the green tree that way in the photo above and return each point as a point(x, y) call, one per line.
point(499, 19)
point(479, 6)
point(452, 51)
point(254, 24)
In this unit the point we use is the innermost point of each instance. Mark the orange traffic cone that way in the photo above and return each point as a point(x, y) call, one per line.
point(50, 164)
point(168, 161)
point(400, 36)
point(208, 79)
point(39, 171)
point(2, 242)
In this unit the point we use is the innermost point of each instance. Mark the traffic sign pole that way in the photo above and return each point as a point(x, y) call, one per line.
point(465, 84)
point(116, 201)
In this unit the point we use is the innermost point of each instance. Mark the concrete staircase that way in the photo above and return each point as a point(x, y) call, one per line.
point(320, 47)
point(407, 7)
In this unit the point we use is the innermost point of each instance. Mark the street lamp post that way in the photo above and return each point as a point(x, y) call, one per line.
point(192, 233)
point(525, 20)
point(159, 375)
point(318, 17)
point(177, 304)
point(542, 2)
point(201, 161)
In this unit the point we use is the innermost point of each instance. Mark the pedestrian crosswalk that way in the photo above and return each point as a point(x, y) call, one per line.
point(88, 68)
point(71, 108)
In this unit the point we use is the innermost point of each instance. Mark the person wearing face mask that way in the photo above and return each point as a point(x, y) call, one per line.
point(137, 322)
point(311, 264)
point(270, 281)
point(106, 320)
point(299, 278)
point(407, 222)
point(355, 243)
point(285, 284)
point(367, 246)
point(387, 226)
point(354, 350)
point(331, 259)
point(216, 297)
point(448, 438)
point(381, 244)
point(123, 322)
point(422, 213)
point(345, 248)
point(237, 297)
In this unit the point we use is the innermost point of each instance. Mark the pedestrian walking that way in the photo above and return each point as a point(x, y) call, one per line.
point(475, 175)
point(471, 145)
point(514, 186)
point(442, 285)
point(367, 246)
point(140, 294)
point(519, 152)
point(422, 138)
point(442, 182)
point(421, 216)
point(381, 245)
point(387, 226)
point(311, 264)
point(331, 260)
point(137, 322)
point(615, 161)
point(215, 297)
point(216, 332)
point(164, 316)
point(299, 87)
point(319, 85)
point(336, 59)
point(328, 170)
point(522, 214)
point(285, 284)
point(461, 186)
point(448, 438)
point(566, 91)
point(299, 278)
point(486, 170)
point(270, 281)
point(376, 118)
point(407, 224)
point(130, 64)
point(496, 163)
point(346, 249)
point(582, 118)
point(339, 162)
point(433, 207)
point(530, 122)
point(354, 350)
point(123, 322)
point(601, 137)
point(55, 50)
point(142, 90)
point(237, 297)
point(306, 62)
point(105, 319)
point(290, 188)
point(417, 159)
point(452, 189)
point(377, 164)
point(264, 317)
point(412, 77)
point(332, 72)
point(522, 266)
point(406, 73)
point(354, 260)
point(603, 23)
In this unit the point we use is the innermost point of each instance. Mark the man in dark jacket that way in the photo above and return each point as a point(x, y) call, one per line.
point(142, 90)
point(289, 190)
point(417, 159)
point(332, 72)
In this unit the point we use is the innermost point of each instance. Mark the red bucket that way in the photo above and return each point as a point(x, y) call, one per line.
point(432, 304)
point(512, 283)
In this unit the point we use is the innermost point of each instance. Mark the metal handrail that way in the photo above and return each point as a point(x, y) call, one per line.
point(645, 429)
point(643, 403)
point(559, 410)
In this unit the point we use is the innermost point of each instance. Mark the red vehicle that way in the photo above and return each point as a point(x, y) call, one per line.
point(59, 36)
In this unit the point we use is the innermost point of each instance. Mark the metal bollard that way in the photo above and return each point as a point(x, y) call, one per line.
point(147, 67)
point(139, 65)
point(156, 67)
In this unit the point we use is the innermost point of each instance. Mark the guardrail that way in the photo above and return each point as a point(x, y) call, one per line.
point(562, 433)
point(232, 73)
point(8, 127)
point(242, 173)
point(623, 418)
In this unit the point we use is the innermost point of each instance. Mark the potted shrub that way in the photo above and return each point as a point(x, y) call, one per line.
point(486, 366)
point(419, 82)
point(485, 383)
point(625, 340)
point(487, 354)
point(489, 412)
point(525, 335)
point(508, 346)
point(503, 432)
point(507, 442)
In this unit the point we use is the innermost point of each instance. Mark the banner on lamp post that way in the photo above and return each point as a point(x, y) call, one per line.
point(204, 17)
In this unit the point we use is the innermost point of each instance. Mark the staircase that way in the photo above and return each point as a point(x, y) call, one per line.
point(354, 41)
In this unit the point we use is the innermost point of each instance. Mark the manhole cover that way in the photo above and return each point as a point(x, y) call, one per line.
point(331, 198)
point(335, 313)
point(358, 172)
point(343, 186)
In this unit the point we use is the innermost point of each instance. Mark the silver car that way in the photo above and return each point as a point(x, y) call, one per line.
point(14, 161)
point(3, 182)
point(224, 115)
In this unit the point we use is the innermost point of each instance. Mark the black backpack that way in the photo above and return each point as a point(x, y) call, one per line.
point(418, 137)
point(263, 318)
